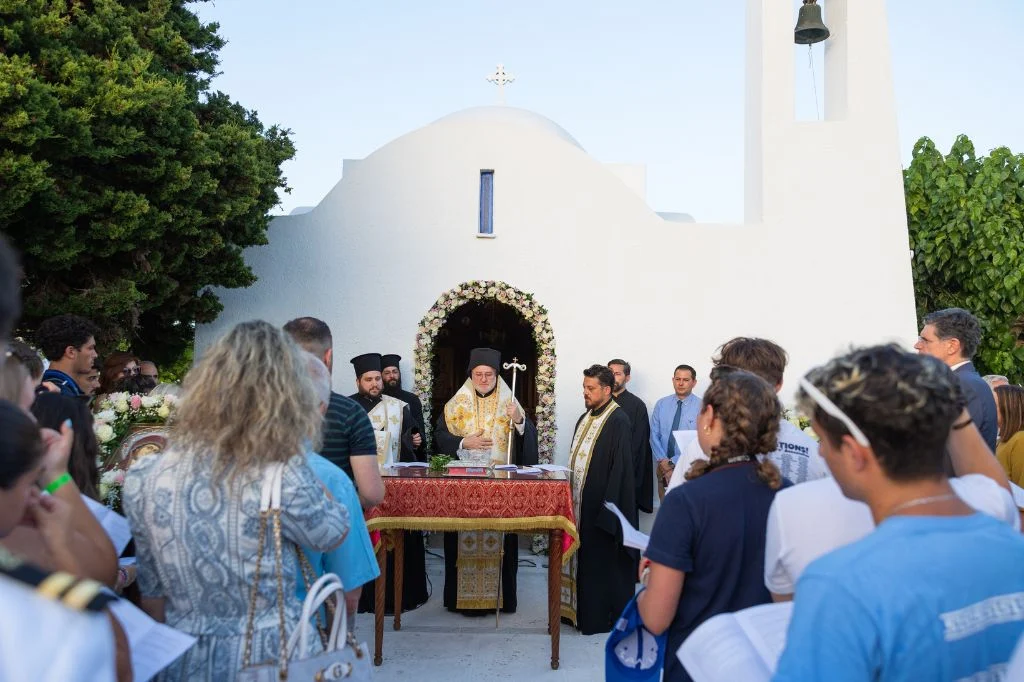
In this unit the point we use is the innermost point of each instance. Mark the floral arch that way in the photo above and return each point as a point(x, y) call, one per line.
point(532, 311)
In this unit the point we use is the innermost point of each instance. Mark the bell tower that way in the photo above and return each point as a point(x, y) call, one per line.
point(799, 173)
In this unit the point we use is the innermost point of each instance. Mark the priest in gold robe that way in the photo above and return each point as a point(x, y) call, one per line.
point(480, 417)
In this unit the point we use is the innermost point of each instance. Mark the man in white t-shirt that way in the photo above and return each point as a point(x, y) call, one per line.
point(810, 520)
point(797, 453)
point(934, 592)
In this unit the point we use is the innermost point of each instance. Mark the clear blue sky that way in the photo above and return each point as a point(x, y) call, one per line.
point(657, 83)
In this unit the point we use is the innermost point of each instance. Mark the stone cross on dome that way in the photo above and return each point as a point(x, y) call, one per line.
point(501, 79)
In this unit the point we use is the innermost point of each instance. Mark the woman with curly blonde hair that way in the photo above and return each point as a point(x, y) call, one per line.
point(706, 553)
point(249, 403)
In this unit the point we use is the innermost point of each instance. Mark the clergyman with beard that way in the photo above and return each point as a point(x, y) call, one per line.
point(391, 373)
point(480, 417)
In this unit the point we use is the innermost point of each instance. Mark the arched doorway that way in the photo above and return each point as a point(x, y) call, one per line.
point(497, 315)
point(487, 323)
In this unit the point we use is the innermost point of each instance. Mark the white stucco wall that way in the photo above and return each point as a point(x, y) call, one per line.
point(633, 175)
point(822, 262)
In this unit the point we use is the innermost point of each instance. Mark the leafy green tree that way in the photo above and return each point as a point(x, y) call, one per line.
point(129, 186)
point(967, 234)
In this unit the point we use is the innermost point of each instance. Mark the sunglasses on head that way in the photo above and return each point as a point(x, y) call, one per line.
point(130, 371)
point(833, 410)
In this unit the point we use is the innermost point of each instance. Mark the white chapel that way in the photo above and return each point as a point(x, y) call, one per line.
point(508, 197)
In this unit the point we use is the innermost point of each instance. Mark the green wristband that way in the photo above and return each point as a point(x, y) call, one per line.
point(57, 483)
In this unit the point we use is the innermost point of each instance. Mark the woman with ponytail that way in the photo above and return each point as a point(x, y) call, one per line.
point(706, 554)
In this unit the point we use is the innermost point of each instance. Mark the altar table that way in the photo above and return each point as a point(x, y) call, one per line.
point(418, 499)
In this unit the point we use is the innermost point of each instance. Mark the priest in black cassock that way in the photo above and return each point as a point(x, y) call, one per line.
point(393, 428)
point(643, 457)
point(599, 579)
point(480, 417)
point(391, 373)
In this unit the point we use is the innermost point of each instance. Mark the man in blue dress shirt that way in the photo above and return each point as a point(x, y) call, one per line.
point(676, 412)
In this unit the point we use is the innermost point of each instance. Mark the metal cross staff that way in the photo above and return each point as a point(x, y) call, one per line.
point(514, 366)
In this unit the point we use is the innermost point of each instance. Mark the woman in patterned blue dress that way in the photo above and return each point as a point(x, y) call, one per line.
point(194, 508)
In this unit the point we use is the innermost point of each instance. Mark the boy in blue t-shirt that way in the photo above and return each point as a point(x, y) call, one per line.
point(936, 592)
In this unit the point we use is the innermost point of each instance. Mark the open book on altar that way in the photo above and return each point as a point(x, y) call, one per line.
point(745, 645)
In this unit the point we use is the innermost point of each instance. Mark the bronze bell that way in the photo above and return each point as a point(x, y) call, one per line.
point(810, 28)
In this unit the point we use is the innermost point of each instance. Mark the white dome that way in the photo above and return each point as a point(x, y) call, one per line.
point(513, 116)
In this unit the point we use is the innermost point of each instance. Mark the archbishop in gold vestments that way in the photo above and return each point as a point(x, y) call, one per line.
point(472, 558)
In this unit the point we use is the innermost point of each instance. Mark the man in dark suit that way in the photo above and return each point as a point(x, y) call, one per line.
point(953, 335)
point(640, 436)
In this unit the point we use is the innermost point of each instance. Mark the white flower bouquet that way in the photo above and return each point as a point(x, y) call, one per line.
point(117, 417)
point(799, 421)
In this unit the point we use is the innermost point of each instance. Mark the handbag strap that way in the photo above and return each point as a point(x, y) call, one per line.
point(270, 509)
point(327, 585)
point(270, 493)
point(308, 574)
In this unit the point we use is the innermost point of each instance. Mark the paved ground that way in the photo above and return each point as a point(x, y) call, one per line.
point(435, 645)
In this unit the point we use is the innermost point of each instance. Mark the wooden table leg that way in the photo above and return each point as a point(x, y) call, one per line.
point(378, 601)
point(399, 543)
point(555, 593)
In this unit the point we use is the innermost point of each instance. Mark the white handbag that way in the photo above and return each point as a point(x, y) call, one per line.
point(343, 658)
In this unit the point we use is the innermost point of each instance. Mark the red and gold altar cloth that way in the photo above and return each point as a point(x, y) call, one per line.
point(417, 499)
point(501, 501)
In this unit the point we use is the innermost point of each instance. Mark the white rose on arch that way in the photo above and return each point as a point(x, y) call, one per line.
point(104, 432)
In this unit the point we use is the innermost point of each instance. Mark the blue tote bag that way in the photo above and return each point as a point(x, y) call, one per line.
point(632, 654)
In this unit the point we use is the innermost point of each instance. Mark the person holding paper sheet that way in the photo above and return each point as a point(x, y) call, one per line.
point(195, 508)
point(706, 553)
point(951, 604)
point(676, 412)
point(55, 635)
point(809, 520)
point(796, 454)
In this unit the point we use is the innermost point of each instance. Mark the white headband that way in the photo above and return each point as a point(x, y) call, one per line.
point(832, 409)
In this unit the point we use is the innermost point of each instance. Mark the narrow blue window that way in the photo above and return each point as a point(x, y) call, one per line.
point(486, 202)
